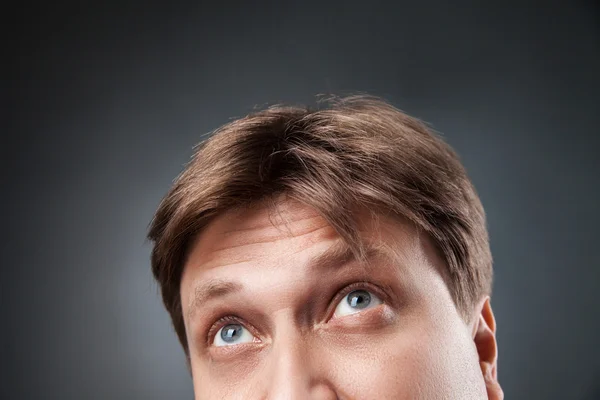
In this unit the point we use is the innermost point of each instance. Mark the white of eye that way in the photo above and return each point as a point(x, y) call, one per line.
point(356, 301)
point(232, 334)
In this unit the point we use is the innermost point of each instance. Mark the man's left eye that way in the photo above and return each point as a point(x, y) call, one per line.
point(232, 334)
point(356, 301)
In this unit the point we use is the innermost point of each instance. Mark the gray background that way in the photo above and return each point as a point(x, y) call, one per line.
point(106, 103)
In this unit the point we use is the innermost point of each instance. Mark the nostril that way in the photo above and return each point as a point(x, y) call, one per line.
point(323, 391)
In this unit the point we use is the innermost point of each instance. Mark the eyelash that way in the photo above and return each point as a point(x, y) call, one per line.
point(339, 295)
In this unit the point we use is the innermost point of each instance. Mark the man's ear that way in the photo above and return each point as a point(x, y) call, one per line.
point(484, 336)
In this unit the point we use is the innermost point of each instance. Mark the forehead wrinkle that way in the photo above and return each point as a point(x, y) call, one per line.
point(271, 239)
point(244, 251)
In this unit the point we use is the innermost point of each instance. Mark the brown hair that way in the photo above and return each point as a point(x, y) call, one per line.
point(359, 151)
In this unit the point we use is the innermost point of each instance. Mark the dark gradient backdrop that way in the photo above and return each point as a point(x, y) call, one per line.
point(105, 104)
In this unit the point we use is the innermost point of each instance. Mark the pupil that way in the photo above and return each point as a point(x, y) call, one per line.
point(359, 299)
point(231, 332)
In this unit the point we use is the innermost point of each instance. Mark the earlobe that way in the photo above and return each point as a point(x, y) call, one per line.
point(484, 336)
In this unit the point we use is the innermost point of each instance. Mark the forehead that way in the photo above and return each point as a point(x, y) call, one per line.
point(290, 228)
point(240, 235)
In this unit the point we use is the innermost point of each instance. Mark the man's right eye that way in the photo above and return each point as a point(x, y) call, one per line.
point(232, 334)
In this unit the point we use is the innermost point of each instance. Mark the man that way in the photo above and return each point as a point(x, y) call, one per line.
point(339, 253)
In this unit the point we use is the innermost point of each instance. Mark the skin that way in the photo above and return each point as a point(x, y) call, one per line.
point(298, 342)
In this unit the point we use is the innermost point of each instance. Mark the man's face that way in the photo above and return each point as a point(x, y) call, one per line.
point(275, 308)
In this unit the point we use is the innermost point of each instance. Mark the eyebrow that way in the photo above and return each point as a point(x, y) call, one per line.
point(334, 257)
point(210, 290)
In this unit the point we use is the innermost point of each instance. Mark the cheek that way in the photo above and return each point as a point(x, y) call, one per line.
point(417, 364)
point(238, 379)
point(398, 367)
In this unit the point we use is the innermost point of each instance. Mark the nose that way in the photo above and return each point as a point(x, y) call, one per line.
point(296, 370)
